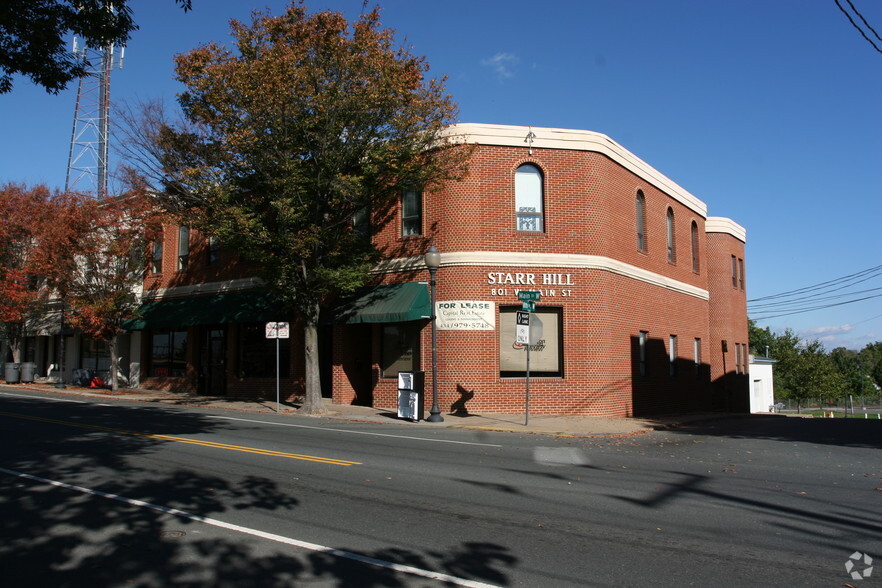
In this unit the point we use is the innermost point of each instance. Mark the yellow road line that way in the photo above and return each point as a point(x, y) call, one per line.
point(257, 450)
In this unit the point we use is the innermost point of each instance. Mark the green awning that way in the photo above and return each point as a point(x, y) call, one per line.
point(241, 307)
point(391, 303)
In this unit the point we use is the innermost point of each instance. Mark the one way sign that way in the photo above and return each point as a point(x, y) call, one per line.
point(522, 330)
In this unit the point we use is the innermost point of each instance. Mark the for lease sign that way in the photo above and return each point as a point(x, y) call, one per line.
point(465, 315)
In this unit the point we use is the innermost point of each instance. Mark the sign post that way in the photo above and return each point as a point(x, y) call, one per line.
point(528, 299)
point(277, 331)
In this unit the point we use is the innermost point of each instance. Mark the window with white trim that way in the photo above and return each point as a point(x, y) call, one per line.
point(641, 221)
point(183, 247)
point(411, 213)
point(529, 199)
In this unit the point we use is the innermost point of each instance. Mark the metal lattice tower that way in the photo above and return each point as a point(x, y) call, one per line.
point(87, 161)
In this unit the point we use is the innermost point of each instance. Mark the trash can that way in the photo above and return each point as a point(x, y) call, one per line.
point(28, 369)
point(11, 373)
point(410, 395)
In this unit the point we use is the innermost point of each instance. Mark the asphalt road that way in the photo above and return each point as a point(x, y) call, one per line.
point(135, 495)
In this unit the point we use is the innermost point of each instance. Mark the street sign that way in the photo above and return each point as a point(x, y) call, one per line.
point(526, 295)
point(528, 306)
point(522, 328)
point(278, 331)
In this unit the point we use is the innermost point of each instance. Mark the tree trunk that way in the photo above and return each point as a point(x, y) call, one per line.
point(114, 364)
point(14, 340)
point(15, 347)
point(313, 404)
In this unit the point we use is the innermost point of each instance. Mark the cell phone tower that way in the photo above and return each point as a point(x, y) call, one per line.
point(87, 160)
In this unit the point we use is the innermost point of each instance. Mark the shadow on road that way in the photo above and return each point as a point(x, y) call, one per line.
point(850, 432)
point(61, 536)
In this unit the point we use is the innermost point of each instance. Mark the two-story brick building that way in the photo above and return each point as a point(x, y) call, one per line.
point(643, 300)
point(643, 305)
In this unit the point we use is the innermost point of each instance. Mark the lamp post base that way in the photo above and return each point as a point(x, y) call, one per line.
point(435, 416)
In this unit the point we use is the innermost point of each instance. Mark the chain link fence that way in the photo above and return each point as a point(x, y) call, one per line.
point(857, 405)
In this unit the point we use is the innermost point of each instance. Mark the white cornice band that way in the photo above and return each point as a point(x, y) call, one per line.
point(544, 260)
point(551, 138)
point(719, 224)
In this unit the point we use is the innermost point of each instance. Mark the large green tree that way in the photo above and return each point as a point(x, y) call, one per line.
point(306, 123)
point(761, 340)
point(815, 375)
point(33, 39)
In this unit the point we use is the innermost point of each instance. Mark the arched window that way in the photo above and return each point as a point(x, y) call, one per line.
point(528, 198)
point(696, 265)
point(641, 221)
point(672, 250)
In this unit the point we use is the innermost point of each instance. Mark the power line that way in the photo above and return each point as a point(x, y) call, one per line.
point(855, 25)
point(812, 308)
point(771, 305)
point(825, 285)
point(816, 297)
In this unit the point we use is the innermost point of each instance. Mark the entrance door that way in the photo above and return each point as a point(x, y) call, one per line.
point(212, 365)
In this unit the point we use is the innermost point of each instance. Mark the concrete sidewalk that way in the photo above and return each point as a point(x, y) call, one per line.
point(570, 426)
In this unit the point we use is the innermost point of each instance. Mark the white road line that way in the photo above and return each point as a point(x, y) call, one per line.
point(352, 432)
point(257, 533)
point(38, 397)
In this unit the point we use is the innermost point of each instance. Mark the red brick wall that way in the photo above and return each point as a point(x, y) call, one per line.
point(728, 320)
point(227, 267)
point(589, 209)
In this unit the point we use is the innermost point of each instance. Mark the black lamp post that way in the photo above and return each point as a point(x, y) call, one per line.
point(433, 262)
point(60, 385)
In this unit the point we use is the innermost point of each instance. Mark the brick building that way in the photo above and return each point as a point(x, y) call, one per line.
point(642, 294)
point(643, 305)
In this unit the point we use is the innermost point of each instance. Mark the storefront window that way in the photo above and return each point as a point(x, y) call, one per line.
point(257, 354)
point(400, 349)
point(95, 355)
point(168, 355)
point(546, 354)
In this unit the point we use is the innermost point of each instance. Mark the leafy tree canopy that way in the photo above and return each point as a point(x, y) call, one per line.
point(33, 44)
point(307, 123)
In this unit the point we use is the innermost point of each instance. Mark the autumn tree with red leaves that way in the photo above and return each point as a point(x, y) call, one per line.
point(101, 282)
point(23, 295)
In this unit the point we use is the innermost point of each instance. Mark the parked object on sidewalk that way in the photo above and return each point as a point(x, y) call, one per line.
point(27, 371)
point(11, 373)
point(81, 377)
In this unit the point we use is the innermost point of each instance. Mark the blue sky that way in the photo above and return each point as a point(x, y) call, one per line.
point(767, 110)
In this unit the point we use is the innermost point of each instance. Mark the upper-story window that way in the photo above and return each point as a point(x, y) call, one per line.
point(361, 222)
point(734, 272)
point(411, 213)
point(213, 250)
point(528, 199)
point(672, 248)
point(641, 221)
point(696, 264)
point(183, 247)
point(156, 259)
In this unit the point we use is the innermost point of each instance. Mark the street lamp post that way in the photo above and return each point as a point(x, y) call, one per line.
point(60, 385)
point(433, 262)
